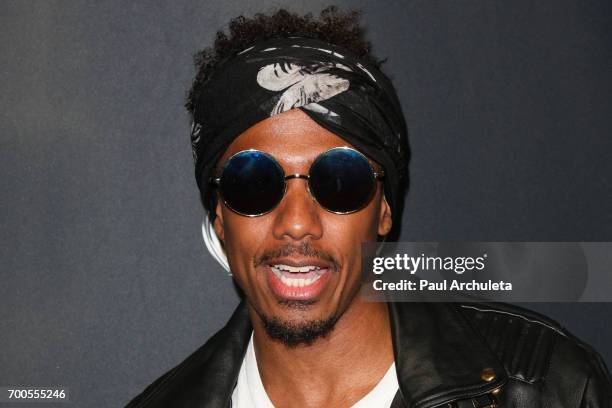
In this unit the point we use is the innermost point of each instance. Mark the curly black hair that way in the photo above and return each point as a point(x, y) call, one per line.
point(333, 26)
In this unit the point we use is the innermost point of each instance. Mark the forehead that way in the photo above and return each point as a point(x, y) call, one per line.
point(292, 137)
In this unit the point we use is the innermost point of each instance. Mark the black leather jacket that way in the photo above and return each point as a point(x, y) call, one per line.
point(447, 355)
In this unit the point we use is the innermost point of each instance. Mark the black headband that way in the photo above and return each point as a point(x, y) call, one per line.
point(342, 93)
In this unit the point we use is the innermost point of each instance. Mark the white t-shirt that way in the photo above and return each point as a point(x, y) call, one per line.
point(250, 392)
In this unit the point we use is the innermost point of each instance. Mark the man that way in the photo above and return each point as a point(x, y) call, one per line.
point(301, 155)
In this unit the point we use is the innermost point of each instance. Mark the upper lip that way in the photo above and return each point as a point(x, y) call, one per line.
point(297, 262)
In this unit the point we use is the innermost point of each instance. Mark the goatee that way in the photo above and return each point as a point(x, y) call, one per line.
point(301, 334)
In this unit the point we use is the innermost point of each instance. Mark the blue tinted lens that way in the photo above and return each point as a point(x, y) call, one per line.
point(252, 183)
point(342, 180)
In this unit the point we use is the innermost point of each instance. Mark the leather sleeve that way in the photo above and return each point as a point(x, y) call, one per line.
point(598, 388)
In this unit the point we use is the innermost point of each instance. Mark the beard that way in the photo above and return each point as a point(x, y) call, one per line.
point(298, 334)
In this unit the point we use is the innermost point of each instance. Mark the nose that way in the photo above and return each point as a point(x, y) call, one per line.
point(297, 215)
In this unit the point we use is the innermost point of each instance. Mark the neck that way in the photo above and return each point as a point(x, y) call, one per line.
point(353, 358)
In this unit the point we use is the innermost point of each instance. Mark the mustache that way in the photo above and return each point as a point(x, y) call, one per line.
point(303, 249)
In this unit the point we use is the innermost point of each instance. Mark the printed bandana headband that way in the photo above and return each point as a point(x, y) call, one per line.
point(339, 91)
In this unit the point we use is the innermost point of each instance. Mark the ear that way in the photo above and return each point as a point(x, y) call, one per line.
point(384, 218)
point(218, 222)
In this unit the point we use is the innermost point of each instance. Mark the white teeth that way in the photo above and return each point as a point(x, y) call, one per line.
point(296, 269)
point(296, 282)
point(285, 280)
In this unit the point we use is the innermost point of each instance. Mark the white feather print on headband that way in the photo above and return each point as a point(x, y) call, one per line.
point(302, 85)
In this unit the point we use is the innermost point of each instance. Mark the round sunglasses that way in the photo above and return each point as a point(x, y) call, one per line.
point(253, 183)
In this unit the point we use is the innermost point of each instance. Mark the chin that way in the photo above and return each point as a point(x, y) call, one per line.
point(302, 331)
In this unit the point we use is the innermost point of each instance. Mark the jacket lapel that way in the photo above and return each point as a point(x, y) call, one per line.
point(208, 377)
point(439, 357)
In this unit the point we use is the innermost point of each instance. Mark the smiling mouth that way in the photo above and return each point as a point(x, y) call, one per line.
point(297, 282)
point(297, 276)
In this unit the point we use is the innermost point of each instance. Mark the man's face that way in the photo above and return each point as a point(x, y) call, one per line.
point(264, 252)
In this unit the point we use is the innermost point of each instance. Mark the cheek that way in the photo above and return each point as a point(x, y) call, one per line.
point(348, 231)
point(353, 228)
point(243, 235)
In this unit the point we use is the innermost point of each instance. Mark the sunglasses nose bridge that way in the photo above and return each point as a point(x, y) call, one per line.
point(298, 176)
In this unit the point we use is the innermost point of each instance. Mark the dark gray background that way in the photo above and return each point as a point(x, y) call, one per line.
point(105, 283)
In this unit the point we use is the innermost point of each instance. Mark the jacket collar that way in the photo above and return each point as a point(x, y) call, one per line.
point(438, 356)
